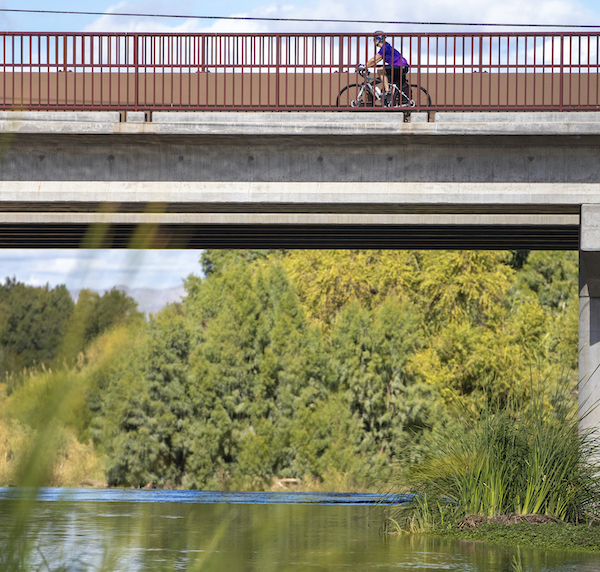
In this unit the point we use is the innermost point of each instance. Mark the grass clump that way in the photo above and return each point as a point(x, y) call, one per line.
point(530, 460)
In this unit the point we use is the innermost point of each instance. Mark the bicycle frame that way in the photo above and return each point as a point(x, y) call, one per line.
point(369, 84)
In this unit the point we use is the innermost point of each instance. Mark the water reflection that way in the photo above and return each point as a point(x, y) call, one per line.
point(127, 536)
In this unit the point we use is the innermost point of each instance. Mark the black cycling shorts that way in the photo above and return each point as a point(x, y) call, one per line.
point(399, 74)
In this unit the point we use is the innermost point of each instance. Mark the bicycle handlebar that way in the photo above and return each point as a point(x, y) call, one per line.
point(362, 72)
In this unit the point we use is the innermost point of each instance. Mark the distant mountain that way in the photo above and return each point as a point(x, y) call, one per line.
point(150, 300)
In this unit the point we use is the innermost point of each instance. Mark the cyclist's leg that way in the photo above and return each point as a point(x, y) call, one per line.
point(396, 80)
point(387, 86)
point(386, 73)
point(405, 86)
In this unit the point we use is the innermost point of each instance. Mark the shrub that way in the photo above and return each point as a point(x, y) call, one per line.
point(530, 460)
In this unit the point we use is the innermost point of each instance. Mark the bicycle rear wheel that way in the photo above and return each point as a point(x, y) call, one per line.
point(351, 96)
point(419, 95)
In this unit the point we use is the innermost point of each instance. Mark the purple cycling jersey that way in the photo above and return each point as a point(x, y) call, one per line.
point(392, 56)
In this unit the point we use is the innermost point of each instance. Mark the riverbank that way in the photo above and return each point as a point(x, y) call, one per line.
point(550, 535)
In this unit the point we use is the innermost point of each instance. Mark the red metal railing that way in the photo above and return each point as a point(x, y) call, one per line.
point(293, 72)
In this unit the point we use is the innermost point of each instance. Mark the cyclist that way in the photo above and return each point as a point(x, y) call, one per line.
point(394, 69)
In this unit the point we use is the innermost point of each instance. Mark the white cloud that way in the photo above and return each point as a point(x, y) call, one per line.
point(110, 23)
point(496, 11)
point(100, 269)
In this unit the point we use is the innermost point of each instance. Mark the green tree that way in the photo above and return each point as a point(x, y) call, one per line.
point(33, 323)
point(216, 260)
point(146, 426)
point(317, 363)
point(218, 385)
point(258, 359)
point(370, 352)
point(550, 276)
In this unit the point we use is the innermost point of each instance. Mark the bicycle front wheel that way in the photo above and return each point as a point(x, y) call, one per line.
point(419, 96)
point(354, 96)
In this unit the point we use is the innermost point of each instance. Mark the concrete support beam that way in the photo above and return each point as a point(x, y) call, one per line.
point(589, 319)
point(304, 124)
point(289, 219)
point(482, 197)
point(8, 118)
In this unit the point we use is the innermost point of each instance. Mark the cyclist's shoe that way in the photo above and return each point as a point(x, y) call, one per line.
point(387, 99)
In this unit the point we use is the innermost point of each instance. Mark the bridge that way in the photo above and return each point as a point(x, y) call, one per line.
point(113, 141)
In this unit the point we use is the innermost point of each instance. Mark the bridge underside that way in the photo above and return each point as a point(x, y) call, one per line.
point(370, 236)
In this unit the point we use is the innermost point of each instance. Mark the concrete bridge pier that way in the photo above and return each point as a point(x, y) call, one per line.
point(589, 319)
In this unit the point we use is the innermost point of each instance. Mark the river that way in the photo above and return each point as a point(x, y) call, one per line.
point(129, 530)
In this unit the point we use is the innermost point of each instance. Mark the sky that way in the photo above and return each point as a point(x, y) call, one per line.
point(166, 269)
point(100, 269)
point(492, 11)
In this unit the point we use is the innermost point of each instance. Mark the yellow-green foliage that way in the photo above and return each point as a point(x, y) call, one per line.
point(14, 439)
point(327, 280)
point(486, 336)
point(76, 463)
point(486, 326)
point(44, 422)
point(65, 461)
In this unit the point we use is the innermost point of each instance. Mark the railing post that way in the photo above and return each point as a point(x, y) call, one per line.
point(562, 72)
point(136, 72)
point(419, 45)
point(277, 64)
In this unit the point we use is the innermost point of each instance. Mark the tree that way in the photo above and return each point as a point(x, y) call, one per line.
point(218, 385)
point(309, 364)
point(328, 280)
point(257, 360)
point(92, 316)
point(463, 286)
point(370, 352)
point(34, 321)
point(551, 276)
point(216, 260)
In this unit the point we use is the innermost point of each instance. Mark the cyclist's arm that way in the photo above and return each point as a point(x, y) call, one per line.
point(374, 60)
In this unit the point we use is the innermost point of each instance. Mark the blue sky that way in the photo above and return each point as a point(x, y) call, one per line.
point(522, 11)
point(164, 269)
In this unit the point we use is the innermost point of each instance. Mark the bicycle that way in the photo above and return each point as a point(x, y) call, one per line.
point(369, 94)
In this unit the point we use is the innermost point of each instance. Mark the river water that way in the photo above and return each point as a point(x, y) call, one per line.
point(130, 530)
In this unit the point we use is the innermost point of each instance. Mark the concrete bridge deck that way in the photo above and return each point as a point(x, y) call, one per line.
point(462, 180)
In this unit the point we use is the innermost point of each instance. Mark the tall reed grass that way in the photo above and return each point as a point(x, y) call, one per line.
point(523, 459)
